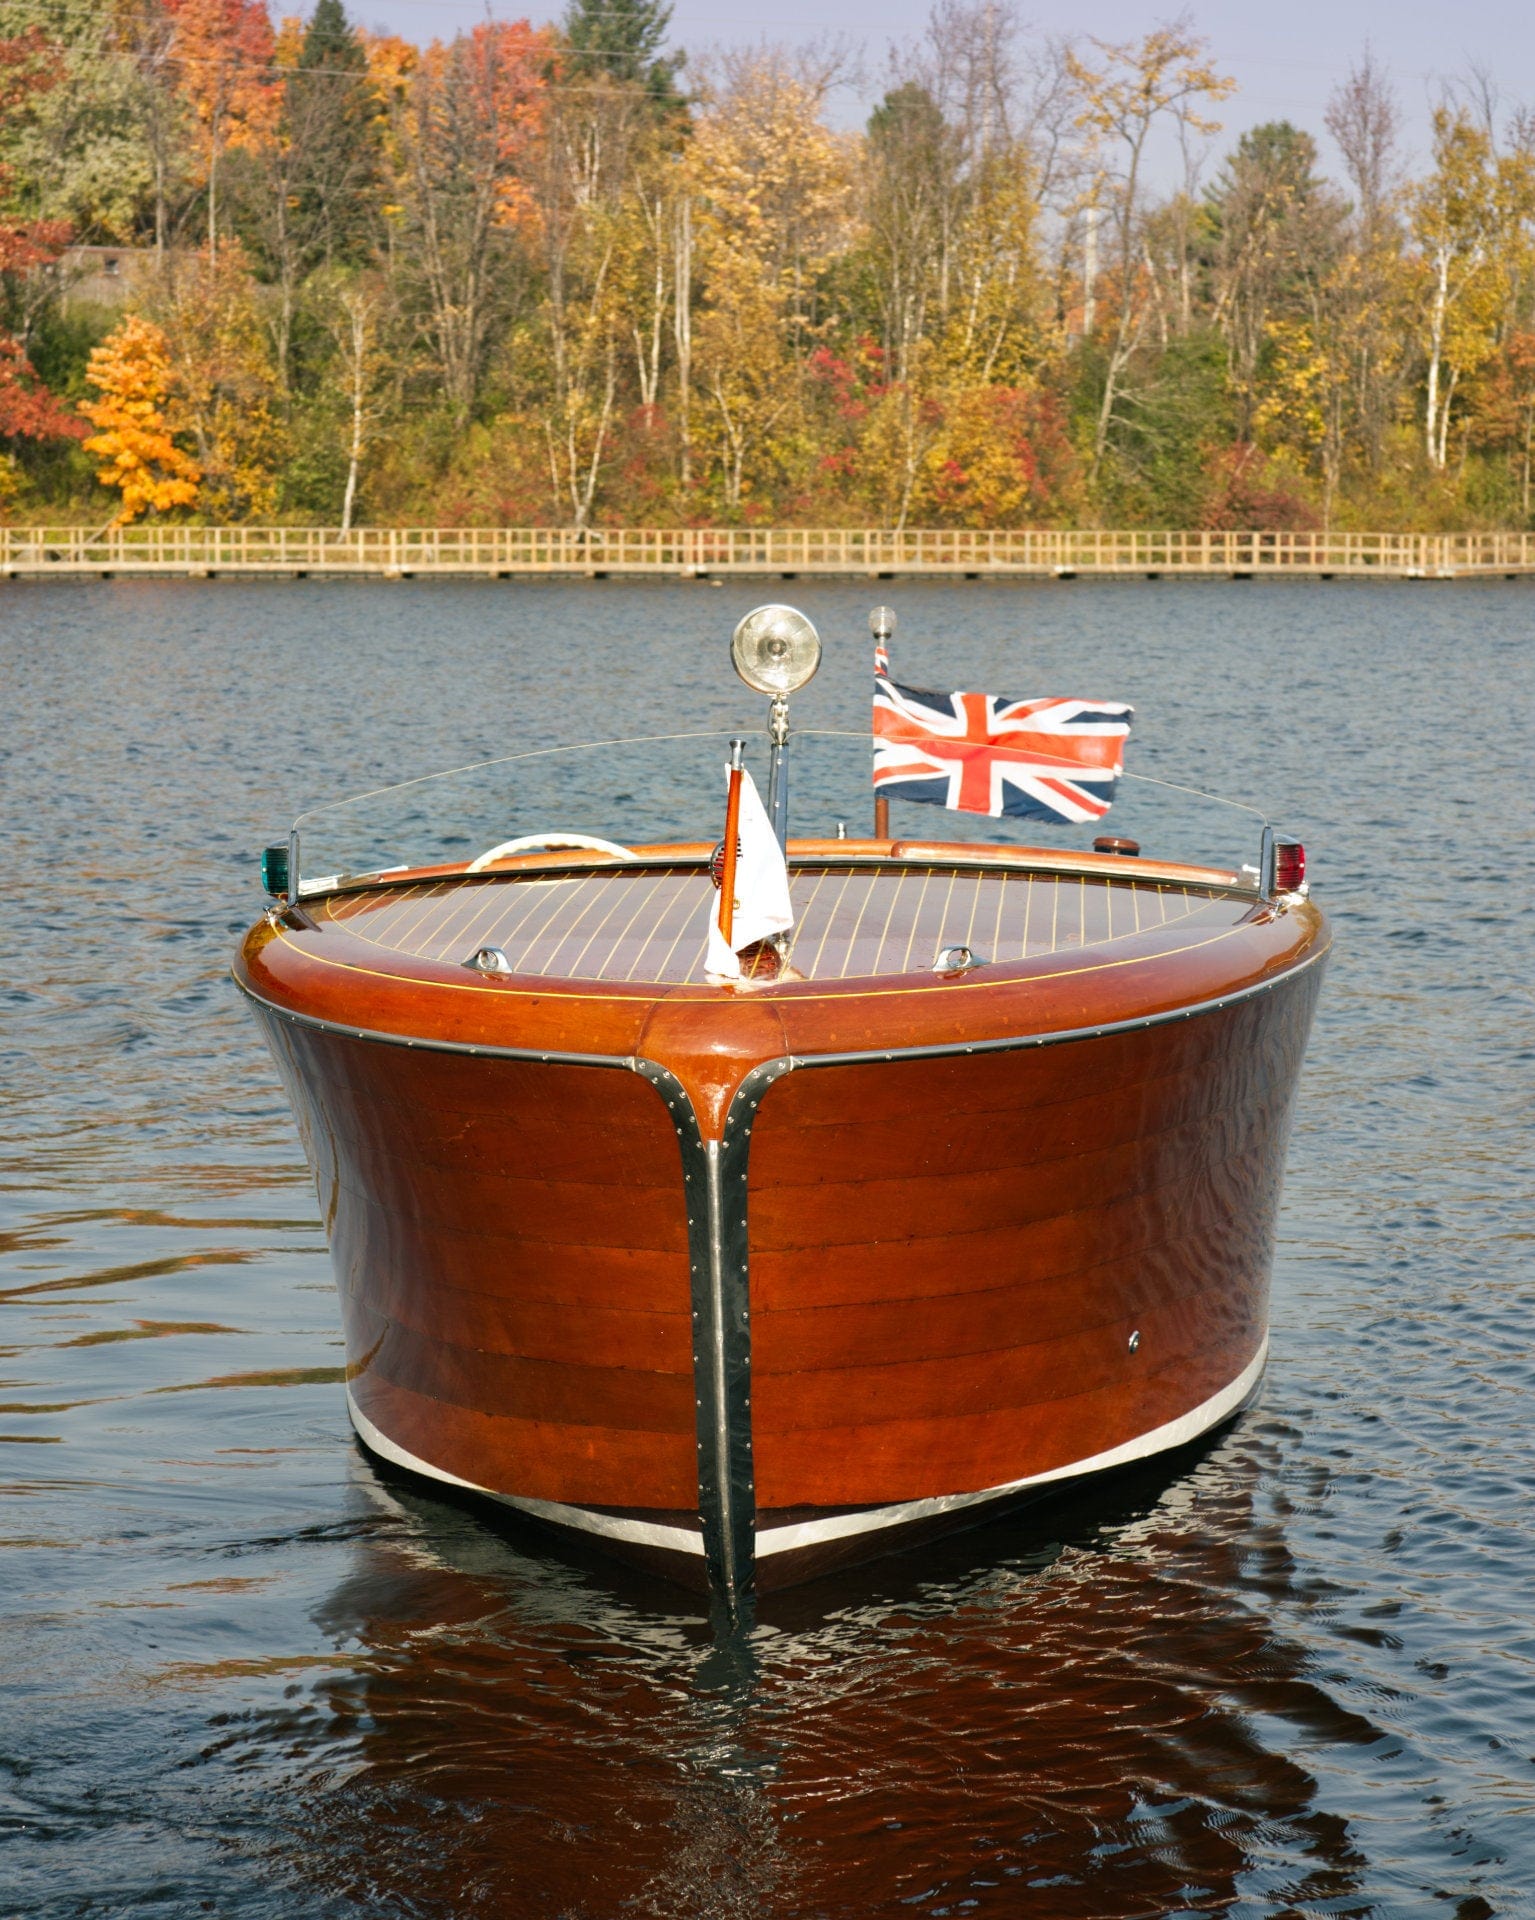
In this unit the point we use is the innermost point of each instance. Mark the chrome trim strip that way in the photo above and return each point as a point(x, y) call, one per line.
point(1173, 1433)
point(641, 1533)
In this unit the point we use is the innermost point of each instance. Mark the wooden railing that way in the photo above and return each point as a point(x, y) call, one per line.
point(398, 552)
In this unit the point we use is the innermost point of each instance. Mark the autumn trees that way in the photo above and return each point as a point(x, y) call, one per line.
point(556, 273)
point(31, 73)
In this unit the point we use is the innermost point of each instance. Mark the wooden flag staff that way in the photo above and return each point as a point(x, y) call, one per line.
point(732, 844)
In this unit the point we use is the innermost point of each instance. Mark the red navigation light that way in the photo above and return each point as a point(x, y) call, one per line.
point(1289, 866)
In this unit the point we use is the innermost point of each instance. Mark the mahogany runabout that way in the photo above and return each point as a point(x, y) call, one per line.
point(747, 1282)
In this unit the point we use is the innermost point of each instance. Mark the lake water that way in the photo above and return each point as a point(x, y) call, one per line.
point(245, 1675)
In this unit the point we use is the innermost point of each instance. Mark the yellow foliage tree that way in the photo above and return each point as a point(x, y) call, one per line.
point(225, 381)
point(1293, 409)
point(1471, 221)
point(773, 190)
point(131, 371)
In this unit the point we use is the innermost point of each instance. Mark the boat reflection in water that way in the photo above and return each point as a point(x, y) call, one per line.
point(966, 1188)
point(1094, 1701)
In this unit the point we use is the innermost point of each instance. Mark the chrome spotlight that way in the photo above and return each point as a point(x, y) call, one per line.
point(776, 650)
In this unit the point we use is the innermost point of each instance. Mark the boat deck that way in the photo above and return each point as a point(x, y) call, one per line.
point(647, 925)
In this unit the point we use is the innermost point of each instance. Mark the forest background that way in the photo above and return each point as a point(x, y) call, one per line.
point(559, 275)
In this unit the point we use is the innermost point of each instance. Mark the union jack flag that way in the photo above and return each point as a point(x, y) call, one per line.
point(982, 753)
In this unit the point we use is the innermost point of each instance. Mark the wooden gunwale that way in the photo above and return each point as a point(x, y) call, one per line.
point(1135, 950)
point(556, 1056)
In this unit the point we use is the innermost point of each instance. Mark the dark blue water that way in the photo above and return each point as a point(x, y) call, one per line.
point(244, 1675)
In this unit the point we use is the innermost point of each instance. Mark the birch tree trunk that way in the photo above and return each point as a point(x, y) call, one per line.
point(359, 345)
point(1435, 355)
point(682, 334)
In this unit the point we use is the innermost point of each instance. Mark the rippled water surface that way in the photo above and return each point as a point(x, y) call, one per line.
point(242, 1674)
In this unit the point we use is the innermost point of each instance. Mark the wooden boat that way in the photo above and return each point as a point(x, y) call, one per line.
point(976, 1194)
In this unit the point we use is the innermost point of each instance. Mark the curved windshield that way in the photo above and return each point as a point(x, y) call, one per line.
point(665, 789)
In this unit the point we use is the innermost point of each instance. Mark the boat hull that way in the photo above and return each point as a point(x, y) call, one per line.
point(748, 1306)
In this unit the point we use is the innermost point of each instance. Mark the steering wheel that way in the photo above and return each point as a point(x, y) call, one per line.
point(527, 842)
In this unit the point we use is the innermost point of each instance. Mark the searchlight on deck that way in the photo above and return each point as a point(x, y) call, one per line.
point(776, 651)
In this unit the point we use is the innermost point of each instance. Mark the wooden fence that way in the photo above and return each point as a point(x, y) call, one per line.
point(508, 552)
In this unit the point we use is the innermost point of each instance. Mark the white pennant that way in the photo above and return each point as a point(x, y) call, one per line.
point(761, 888)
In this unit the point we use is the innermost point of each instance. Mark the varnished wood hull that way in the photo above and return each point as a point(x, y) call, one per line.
point(759, 1286)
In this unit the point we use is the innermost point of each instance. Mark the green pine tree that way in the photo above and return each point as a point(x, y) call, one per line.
point(333, 124)
point(623, 40)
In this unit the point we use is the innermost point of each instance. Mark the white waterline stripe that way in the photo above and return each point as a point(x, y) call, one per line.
point(643, 1533)
point(1174, 1433)
point(809, 1533)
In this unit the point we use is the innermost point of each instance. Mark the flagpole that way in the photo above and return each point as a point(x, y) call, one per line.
point(882, 626)
point(732, 839)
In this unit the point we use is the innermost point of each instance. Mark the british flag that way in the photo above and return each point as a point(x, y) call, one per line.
point(982, 753)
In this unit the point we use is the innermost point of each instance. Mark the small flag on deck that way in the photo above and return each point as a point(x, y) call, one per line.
point(982, 753)
point(760, 904)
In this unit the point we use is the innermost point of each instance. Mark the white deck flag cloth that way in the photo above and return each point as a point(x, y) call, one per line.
point(762, 888)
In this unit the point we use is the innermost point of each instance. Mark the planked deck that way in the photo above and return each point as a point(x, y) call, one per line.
point(704, 552)
point(849, 922)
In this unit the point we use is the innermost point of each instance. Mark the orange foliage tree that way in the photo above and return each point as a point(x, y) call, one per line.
point(226, 53)
point(131, 370)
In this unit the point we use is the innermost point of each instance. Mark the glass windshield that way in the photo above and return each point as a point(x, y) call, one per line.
point(660, 790)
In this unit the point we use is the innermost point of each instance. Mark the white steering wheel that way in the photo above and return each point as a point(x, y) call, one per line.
point(529, 842)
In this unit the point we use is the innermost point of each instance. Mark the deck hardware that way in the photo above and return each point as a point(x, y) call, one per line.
point(1134, 1342)
point(1116, 843)
point(490, 960)
point(957, 959)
